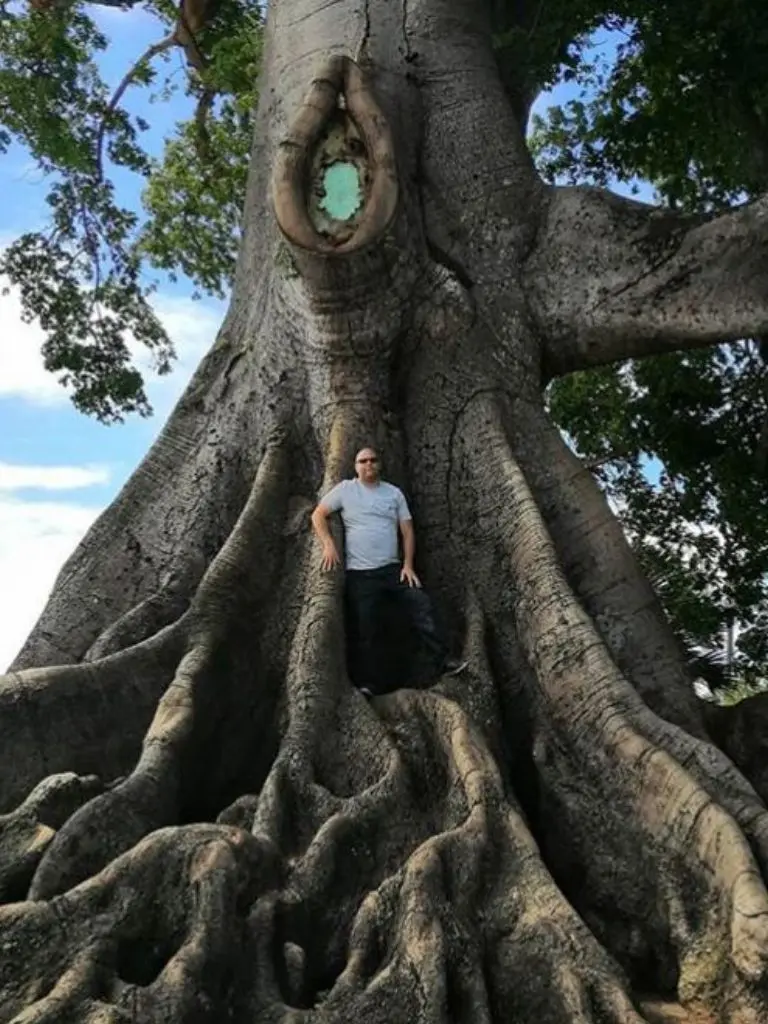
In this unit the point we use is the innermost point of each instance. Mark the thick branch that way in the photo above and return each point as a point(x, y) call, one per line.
point(539, 32)
point(611, 279)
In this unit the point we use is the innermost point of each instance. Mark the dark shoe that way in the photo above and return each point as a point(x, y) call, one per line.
point(453, 667)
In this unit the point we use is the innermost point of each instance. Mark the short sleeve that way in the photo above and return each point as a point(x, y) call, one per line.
point(334, 499)
point(403, 512)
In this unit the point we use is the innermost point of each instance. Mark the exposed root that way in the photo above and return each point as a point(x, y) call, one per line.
point(473, 923)
point(628, 616)
point(462, 931)
point(657, 1011)
point(603, 571)
point(87, 718)
point(699, 899)
point(390, 875)
point(151, 796)
point(151, 615)
point(151, 938)
point(26, 832)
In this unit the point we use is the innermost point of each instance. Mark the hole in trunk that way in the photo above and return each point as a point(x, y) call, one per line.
point(343, 195)
point(339, 179)
point(140, 960)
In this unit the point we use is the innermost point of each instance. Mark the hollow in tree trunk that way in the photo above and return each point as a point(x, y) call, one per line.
point(202, 819)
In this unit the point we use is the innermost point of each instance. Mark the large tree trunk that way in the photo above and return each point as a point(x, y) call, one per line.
point(225, 829)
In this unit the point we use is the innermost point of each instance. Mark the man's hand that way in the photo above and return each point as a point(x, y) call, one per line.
point(330, 556)
point(407, 575)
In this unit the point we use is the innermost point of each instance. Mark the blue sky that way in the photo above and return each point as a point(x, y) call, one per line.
point(58, 468)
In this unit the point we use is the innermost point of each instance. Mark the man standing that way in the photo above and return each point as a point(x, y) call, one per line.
point(372, 510)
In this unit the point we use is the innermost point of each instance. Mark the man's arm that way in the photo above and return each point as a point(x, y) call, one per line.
point(408, 574)
point(322, 531)
point(409, 542)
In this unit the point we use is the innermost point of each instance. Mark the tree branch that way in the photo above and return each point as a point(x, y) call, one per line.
point(614, 456)
point(192, 18)
point(149, 54)
point(46, 5)
point(612, 279)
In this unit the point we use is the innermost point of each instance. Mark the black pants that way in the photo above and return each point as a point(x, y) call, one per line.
point(366, 589)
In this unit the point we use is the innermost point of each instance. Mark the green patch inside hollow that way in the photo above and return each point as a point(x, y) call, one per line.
point(343, 194)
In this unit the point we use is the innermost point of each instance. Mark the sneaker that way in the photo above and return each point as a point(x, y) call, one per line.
point(454, 666)
point(366, 692)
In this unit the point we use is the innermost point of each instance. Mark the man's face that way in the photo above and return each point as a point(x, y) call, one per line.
point(367, 465)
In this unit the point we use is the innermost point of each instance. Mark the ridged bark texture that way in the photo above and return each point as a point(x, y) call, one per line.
point(202, 820)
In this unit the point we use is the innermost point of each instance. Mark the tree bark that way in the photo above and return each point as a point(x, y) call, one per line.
point(202, 819)
point(612, 278)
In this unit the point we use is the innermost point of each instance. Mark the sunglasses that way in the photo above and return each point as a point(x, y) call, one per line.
point(367, 460)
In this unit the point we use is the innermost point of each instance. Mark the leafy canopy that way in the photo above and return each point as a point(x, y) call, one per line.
point(675, 96)
point(83, 274)
point(669, 93)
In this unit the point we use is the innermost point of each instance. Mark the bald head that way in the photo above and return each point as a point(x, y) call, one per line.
point(367, 466)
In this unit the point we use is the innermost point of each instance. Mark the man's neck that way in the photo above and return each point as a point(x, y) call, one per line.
point(369, 483)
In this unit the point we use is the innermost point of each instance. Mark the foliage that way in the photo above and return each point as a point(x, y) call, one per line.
point(678, 443)
point(81, 275)
point(194, 195)
point(676, 95)
point(536, 46)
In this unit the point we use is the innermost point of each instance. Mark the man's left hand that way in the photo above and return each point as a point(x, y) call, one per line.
point(407, 575)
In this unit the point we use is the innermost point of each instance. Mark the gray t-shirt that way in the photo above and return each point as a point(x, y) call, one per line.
point(370, 515)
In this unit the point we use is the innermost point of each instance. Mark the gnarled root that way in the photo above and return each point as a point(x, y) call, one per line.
point(26, 832)
point(628, 617)
point(151, 796)
point(149, 616)
point(651, 847)
point(86, 718)
point(378, 866)
point(153, 937)
point(471, 926)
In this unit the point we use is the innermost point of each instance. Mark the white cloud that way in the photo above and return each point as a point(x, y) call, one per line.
point(22, 374)
point(35, 539)
point(37, 536)
point(50, 478)
point(191, 325)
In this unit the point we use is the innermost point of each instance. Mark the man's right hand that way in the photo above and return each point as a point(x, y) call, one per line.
point(330, 556)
